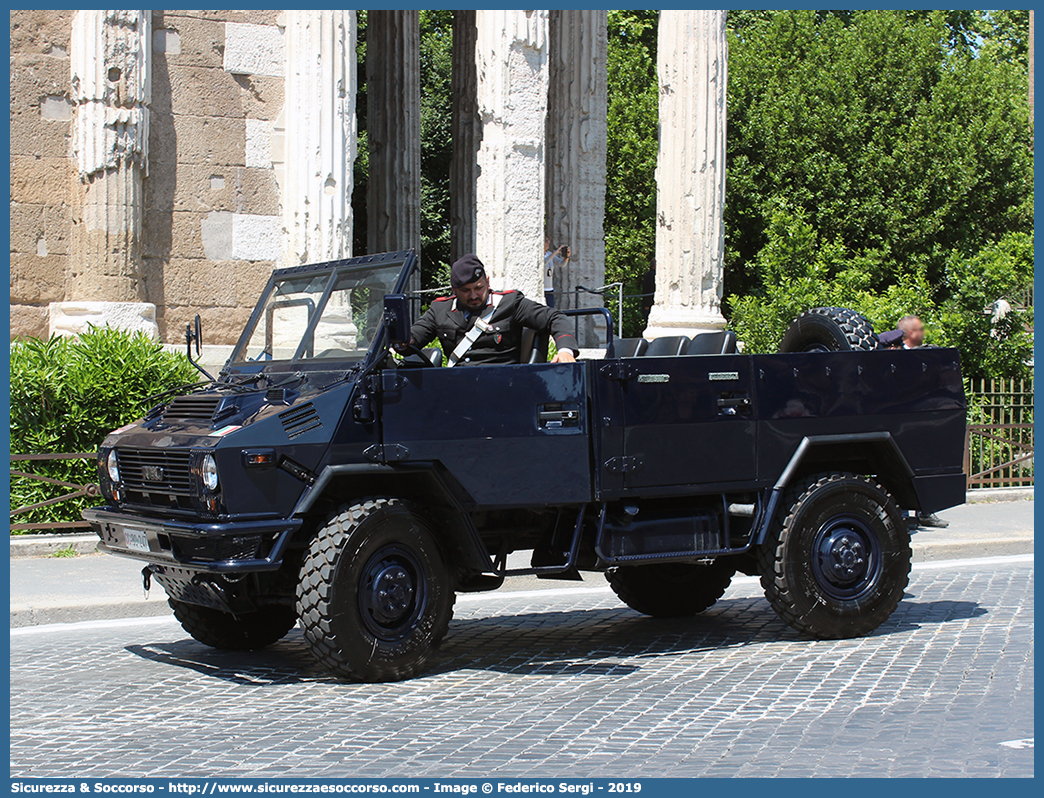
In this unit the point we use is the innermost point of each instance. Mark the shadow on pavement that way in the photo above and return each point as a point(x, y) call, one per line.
point(596, 642)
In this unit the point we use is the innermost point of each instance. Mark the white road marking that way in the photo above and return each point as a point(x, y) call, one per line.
point(467, 598)
point(1018, 744)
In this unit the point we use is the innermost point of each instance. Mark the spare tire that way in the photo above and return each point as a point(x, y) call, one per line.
point(830, 330)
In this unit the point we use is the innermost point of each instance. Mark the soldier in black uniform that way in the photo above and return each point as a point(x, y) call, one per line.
point(479, 326)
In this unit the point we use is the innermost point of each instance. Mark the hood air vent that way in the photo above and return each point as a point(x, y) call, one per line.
point(195, 408)
point(300, 420)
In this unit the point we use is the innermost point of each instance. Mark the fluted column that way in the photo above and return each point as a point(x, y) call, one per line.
point(511, 54)
point(393, 198)
point(110, 58)
point(576, 151)
point(320, 138)
point(467, 135)
point(690, 173)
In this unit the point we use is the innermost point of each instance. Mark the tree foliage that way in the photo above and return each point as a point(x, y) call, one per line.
point(67, 394)
point(876, 160)
point(633, 120)
point(436, 65)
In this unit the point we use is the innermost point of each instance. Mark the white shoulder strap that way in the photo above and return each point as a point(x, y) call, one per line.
point(480, 326)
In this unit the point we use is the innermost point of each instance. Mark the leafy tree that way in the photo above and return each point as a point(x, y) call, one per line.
point(633, 120)
point(436, 63)
point(869, 157)
point(67, 394)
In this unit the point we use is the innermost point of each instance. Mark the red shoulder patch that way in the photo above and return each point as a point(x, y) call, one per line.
point(443, 298)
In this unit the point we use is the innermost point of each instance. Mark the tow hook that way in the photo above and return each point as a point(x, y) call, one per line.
point(146, 579)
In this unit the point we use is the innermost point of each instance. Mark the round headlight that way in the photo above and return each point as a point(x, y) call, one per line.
point(113, 467)
point(210, 477)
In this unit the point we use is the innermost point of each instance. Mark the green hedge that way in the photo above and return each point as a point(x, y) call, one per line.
point(67, 394)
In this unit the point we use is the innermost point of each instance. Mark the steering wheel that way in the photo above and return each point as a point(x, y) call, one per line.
point(414, 356)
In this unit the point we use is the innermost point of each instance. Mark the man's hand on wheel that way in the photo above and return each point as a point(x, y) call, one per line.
point(564, 356)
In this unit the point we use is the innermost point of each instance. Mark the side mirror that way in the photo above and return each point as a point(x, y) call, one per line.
point(194, 332)
point(397, 318)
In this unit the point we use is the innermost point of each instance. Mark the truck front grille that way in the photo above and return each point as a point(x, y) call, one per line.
point(156, 476)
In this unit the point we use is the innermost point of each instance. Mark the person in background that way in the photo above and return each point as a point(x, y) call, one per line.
point(553, 259)
point(648, 291)
point(913, 332)
point(913, 338)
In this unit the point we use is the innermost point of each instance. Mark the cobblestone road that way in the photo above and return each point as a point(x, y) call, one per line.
point(557, 682)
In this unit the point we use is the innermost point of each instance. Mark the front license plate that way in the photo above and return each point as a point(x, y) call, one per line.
point(136, 540)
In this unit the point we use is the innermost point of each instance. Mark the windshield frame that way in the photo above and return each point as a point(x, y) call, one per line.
point(335, 269)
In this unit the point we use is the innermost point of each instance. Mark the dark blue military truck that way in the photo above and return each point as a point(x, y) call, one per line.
point(322, 481)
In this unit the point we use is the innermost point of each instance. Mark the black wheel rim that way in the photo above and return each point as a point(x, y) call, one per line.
point(393, 594)
point(846, 557)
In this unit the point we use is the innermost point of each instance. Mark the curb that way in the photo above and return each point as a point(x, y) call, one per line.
point(984, 495)
point(46, 545)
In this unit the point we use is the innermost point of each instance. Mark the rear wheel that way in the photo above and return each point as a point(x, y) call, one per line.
point(670, 590)
point(244, 632)
point(838, 563)
point(375, 598)
point(830, 330)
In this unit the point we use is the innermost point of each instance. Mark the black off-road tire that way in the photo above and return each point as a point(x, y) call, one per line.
point(830, 330)
point(375, 597)
point(838, 563)
point(670, 590)
point(245, 632)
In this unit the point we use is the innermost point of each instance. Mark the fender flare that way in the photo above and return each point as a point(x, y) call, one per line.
point(882, 440)
point(470, 550)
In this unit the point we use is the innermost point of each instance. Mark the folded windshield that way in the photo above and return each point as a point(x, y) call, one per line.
point(328, 314)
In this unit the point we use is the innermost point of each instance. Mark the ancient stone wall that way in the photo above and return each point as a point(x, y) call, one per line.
point(209, 212)
point(42, 173)
point(212, 228)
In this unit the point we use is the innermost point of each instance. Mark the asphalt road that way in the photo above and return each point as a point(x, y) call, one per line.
point(561, 681)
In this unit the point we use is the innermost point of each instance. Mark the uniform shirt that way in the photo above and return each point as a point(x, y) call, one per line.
point(502, 343)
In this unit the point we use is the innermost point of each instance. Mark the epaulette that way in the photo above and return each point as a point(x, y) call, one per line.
point(443, 298)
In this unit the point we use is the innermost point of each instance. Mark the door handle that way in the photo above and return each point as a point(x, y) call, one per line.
point(731, 404)
point(553, 416)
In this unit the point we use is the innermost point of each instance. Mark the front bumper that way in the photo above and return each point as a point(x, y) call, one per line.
point(221, 548)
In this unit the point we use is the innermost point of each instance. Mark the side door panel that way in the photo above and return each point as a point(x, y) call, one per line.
point(510, 435)
point(687, 421)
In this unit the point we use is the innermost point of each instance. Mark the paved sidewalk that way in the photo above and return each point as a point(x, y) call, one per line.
point(48, 590)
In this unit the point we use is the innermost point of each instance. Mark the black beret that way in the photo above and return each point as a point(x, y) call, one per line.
point(466, 270)
point(891, 338)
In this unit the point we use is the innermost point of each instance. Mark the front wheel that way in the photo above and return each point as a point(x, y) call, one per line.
point(375, 598)
point(839, 562)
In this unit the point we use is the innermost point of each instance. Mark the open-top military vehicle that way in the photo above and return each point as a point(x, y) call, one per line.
point(321, 481)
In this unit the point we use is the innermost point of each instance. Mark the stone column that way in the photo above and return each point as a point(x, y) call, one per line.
point(393, 194)
point(511, 54)
point(576, 152)
point(467, 135)
point(110, 60)
point(314, 156)
point(690, 173)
